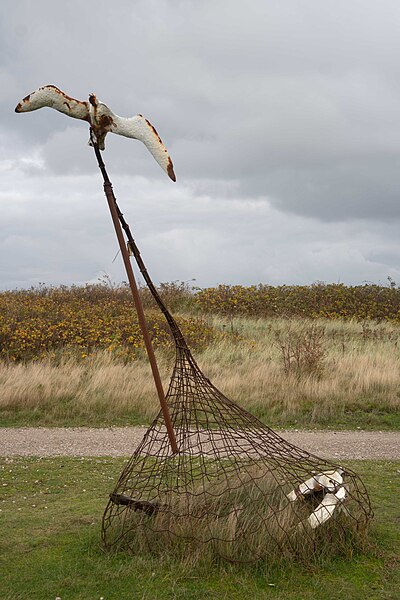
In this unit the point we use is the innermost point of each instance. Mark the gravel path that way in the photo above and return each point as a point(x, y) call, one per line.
point(122, 441)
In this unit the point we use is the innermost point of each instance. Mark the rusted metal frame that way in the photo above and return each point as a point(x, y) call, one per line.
point(108, 190)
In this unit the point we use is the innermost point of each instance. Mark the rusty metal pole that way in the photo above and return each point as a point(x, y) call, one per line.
point(108, 190)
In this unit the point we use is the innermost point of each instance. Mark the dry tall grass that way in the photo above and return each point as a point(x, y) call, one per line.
point(249, 520)
point(358, 383)
point(98, 390)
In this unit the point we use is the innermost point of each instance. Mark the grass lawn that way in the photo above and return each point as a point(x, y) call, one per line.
point(50, 518)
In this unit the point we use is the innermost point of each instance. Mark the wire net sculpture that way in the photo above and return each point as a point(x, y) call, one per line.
point(234, 485)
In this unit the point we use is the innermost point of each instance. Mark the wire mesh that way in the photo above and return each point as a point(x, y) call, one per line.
point(234, 485)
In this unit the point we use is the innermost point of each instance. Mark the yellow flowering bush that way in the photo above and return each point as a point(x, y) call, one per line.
point(46, 320)
point(331, 301)
point(41, 321)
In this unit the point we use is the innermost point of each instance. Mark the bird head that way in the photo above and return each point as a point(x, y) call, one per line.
point(93, 100)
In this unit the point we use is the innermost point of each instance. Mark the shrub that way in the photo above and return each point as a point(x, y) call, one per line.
point(40, 322)
point(302, 350)
point(320, 300)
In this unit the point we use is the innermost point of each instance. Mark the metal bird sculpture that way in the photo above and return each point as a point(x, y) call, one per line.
point(334, 491)
point(327, 481)
point(102, 121)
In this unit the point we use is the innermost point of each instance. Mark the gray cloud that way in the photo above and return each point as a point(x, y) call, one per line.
point(282, 120)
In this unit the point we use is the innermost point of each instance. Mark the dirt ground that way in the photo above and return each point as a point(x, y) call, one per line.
point(122, 441)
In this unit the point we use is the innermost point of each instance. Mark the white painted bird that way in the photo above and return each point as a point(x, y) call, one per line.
point(102, 121)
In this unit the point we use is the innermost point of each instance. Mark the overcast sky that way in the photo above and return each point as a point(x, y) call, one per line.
point(282, 119)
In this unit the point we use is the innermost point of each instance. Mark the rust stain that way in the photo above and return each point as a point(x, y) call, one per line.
point(170, 170)
point(54, 87)
point(154, 130)
point(68, 98)
point(106, 122)
point(18, 108)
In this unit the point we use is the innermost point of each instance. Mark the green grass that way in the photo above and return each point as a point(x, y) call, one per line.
point(61, 416)
point(50, 545)
point(105, 417)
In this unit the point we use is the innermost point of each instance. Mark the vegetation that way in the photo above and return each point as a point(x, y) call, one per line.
point(74, 356)
point(50, 545)
point(343, 376)
point(333, 301)
point(41, 322)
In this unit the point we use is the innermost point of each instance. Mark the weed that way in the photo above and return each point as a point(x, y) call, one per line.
point(302, 349)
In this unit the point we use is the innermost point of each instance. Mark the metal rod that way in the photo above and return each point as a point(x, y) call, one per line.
point(108, 190)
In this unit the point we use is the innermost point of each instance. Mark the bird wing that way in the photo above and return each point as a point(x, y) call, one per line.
point(51, 96)
point(305, 488)
point(140, 128)
point(324, 511)
point(329, 479)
